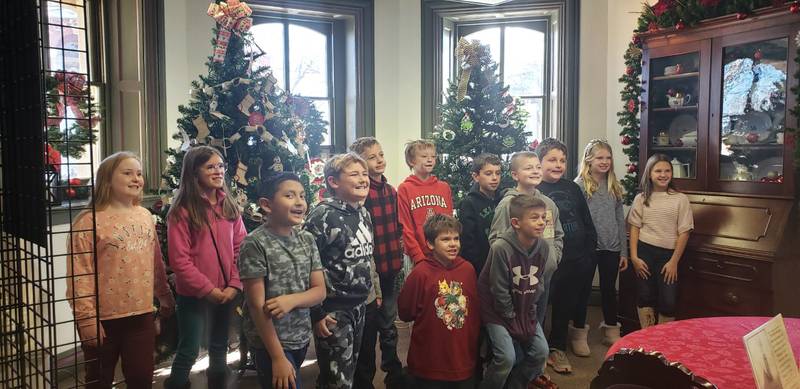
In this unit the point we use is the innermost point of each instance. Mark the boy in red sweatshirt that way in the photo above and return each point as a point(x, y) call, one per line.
point(421, 196)
point(440, 296)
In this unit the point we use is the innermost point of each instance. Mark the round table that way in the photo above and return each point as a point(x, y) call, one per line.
point(710, 347)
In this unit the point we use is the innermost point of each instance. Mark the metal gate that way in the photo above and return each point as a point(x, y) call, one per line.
point(39, 61)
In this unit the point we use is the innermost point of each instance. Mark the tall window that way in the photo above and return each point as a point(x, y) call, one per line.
point(522, 51)
point(299, 53)
point(68, 57)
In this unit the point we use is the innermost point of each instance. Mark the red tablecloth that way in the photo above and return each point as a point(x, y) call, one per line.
point(711, 347)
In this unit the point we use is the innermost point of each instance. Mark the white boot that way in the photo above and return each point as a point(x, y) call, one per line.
point(647, 317)
point(665, 319)
point(578, 340)
point(610, 333)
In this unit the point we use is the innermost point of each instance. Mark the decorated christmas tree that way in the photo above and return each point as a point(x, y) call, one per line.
point(240, 110)
point(479, 116)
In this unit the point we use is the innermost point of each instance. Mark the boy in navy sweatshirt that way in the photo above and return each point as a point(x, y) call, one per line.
point(476, 211)
point(572, 281)
point(343, 233)
point(509, 287)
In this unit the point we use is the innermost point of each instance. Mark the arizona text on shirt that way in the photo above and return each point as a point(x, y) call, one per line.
point(428, 201)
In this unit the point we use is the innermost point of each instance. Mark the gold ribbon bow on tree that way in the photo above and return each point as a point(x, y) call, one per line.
point(233, 15)
point(467, 55)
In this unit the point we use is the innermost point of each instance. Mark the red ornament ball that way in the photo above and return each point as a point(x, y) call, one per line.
point(626, 140)
point(741, 16)
point(652, 26)
point(256, 119)
point(636, 40)
point(794, 8)
point(631, 105)
point(632, 168)
point(629, 70)
point(71, 193)
point(680, 25)
point(74, 181)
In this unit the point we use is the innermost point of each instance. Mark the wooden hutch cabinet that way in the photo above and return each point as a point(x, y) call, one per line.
point(717, 99)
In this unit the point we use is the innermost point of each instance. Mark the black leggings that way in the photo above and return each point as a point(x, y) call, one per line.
point(569, 295)
point(654, 292)
point(608, 267)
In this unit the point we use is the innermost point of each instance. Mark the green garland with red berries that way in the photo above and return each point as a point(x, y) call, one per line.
point(676, 15)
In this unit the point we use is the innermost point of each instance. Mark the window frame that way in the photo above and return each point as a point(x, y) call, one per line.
point(537, 23)
point(438, 14)
point(336, 100)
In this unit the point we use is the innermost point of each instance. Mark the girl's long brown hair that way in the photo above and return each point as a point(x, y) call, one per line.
point(102, 193)
point(190, 194)
point(589, 184)
point(645, 185)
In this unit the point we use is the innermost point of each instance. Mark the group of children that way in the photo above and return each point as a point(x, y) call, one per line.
point(332, 273)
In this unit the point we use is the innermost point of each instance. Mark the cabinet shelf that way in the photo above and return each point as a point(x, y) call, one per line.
point(673, 148)
point(676, 109)
point(676, 76)
point(756, 146)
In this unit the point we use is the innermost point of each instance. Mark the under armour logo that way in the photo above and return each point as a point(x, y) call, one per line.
point(517, 270)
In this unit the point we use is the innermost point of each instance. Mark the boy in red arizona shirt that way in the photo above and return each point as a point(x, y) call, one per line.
point(421, 196)
point(441, 297)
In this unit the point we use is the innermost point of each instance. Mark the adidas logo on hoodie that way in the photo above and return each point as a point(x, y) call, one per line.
point(361, 245)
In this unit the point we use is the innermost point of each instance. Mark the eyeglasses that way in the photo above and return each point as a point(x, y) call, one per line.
point(218, 167)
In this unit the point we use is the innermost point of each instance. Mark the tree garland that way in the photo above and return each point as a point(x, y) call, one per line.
point(676, 15)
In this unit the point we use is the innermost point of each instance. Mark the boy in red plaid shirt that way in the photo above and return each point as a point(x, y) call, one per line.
point(388, 255)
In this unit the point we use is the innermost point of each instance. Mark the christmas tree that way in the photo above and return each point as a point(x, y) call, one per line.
point(479, 116)
point(241, 110)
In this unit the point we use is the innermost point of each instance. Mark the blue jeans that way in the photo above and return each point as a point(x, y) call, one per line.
point(193, 316)
point(264, 365)
point(513, 364)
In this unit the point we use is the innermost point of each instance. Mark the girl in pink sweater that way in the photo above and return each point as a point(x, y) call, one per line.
point(116, 319)
point(204, 230)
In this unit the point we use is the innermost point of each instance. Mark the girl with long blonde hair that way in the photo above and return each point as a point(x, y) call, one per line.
point(603, 194)
point(115, 320)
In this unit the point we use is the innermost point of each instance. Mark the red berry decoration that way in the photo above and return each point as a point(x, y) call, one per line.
point(631, 105)
point(741, 16)
point(636, 40)
point(680, 25)
point(652, 26)
point(629, 70)
point(794, 8)
point(758, 55)
point(71, 193)
point(632, 168)
point(74, 181)
point(626, 140)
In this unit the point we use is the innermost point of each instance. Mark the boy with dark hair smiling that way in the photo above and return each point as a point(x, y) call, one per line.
point(343, 234)
point(572, 282)
point(440, 297)
point(282, 275)
point(476, 211)
point(509, 287)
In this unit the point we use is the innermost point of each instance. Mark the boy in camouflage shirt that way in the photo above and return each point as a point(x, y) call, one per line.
point(343, 233)
point(282, 275)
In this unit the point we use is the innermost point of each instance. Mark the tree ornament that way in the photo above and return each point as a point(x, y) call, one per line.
point(75, 181)
point(629, 70)
point(631, 105)
point(509, 141)
point(680, 25)
point(256, 118)
point(626, 140)
point(71, 193)
point(741, 16)
point(652, 26)
point(632, 168)
point(448, 135)
point(794, 8)
point(636, 40)
point(758, 55)
point(533, 145)
point(466, 123)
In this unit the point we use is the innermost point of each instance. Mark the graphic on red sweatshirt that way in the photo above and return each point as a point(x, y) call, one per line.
point(451, 304)
point(417, 200)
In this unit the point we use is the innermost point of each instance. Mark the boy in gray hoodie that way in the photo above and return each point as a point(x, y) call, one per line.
point(508, 288)
point(526, 170)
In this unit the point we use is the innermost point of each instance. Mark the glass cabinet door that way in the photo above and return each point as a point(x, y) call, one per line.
point(673, 111)
point(753, 112)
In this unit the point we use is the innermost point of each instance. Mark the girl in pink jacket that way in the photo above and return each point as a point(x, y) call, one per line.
point(204, 230)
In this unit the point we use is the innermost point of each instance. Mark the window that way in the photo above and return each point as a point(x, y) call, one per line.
point(521, 50)
point(535, 43)
point(67, 47)
point(299, 54)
